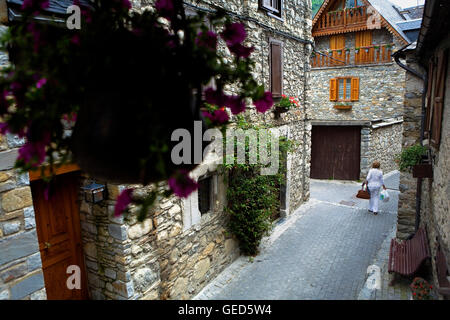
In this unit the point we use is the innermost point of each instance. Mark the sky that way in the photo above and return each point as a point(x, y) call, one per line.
point(407, 3)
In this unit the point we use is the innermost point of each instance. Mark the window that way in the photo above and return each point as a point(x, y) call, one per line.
point(271, 6)
point(276, 68)
point(353, 3)
point(204, 195)
point(344, 89)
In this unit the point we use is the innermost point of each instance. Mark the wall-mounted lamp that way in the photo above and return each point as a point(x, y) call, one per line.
point(93, 192)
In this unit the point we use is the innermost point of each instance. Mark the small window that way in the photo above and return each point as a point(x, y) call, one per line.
point(272, 6)
point(204, 195)
point(344, 89)
point(276, 68)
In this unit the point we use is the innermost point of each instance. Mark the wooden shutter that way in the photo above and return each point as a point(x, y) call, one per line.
point(363, 39)
point(429, 100)
point(276, 69)
point(355, 89)
point(439, 98)
point(337, 42)
point(333, 89)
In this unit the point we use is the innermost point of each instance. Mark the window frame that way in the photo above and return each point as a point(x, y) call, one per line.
point(210, 196)
point(345, 89)
point(271, 9)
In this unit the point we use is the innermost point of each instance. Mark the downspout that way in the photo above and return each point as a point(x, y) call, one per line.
point(424, 78)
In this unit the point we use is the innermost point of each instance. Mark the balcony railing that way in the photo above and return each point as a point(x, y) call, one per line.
point(356, 56)
point(341, 19)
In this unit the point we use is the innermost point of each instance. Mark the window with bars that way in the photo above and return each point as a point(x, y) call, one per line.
point(204, 195)
point(272, 6)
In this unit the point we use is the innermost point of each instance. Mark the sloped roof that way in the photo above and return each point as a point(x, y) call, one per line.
point(415, 12)
point(57, 7)
point(387, 11)
point(410, 24)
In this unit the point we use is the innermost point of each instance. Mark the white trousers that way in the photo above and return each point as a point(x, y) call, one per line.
point(374, 198)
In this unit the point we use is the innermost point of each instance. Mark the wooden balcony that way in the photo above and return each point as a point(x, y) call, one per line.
point(374, 54)
point(350, 19)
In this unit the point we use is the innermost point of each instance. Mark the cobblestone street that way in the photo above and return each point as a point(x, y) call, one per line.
point(322, 251)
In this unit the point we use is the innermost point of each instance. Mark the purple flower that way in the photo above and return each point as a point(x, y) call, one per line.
point(41, 83)
point(126, 4)
point(218, 116)
point(4, 129)
point(241, 51)
point(123, 200)
point(75, 39)
point(234, 33)
point(33, 152)
point(4, 105)
point(165, 7)
point(36, 36)
point(181, 184)
point(215, 97)
point(236, 104)
point(207, 39)
point(265, 103)
point(29, 4)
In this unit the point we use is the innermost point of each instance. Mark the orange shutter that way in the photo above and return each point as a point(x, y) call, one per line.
point(333, 89)
point(355, 89)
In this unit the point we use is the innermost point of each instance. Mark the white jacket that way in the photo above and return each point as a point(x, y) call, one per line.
point(375, 178)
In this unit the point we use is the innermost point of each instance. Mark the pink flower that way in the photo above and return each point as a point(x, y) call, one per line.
point(265, 103)
point(215, 97)
point(241, 51)
point(218, 116)
point(41, 83)
point(33, 152)
point(126, 4)
point(123, 200)
point(71, 118)
point(75, 39)
point(236, 104)
point(207, 39)
point(4, 129)
point(181, 184)
point(165, 7)
point(234, 33)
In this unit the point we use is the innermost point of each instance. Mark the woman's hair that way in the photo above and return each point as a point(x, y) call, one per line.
point(376, 165)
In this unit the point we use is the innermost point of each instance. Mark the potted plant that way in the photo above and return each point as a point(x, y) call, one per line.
point(342, 106)
point(416, 158)
point(286, 103)
point(421, 289)
point(357, 50)
point(131, 78)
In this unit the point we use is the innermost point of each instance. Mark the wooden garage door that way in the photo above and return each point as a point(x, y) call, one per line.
point(335, 152)
point(58, 229)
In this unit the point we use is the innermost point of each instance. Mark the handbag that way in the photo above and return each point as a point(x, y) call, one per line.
point(363, 194)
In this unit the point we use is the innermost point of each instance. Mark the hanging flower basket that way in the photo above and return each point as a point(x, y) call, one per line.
point(132, 79)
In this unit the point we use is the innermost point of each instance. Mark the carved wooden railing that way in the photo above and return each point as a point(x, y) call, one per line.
point(341, 19)
point(356, 56)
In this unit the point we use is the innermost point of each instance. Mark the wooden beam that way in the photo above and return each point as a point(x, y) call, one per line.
point(61, 169)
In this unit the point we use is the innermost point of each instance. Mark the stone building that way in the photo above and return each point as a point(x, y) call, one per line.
point(357, 91)
point(425, 199)
point(183, 243)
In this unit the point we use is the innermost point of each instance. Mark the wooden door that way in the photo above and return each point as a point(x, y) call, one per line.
point(364, 39)
point(335, 152)
point(59, 234)
point(337, 43)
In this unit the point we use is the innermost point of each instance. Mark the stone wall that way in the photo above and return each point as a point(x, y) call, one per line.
point(381, 93)
point(21, 274)
point(435, 196)
point(411, 136)
point(176, 251)
point(386, 144)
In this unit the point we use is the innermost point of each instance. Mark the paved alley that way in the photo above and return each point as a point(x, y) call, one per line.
point(322, 251)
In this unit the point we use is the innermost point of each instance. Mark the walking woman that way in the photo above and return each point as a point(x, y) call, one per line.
point(374, 182)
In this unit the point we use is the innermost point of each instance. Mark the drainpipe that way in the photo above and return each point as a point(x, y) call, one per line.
point(424, 78)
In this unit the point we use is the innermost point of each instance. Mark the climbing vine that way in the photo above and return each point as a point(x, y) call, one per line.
point(251, 197)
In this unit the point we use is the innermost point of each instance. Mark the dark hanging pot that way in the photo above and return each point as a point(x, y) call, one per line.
point(122, 139)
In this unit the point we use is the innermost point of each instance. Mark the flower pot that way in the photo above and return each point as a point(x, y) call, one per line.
point(424, 170)
point(122, 139)
point(279, 110)
point(343, 107)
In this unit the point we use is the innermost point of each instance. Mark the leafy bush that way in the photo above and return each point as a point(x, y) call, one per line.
point(251, 197)
point(411, 156)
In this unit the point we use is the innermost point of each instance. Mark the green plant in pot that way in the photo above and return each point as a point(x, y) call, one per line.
point(127, 80)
